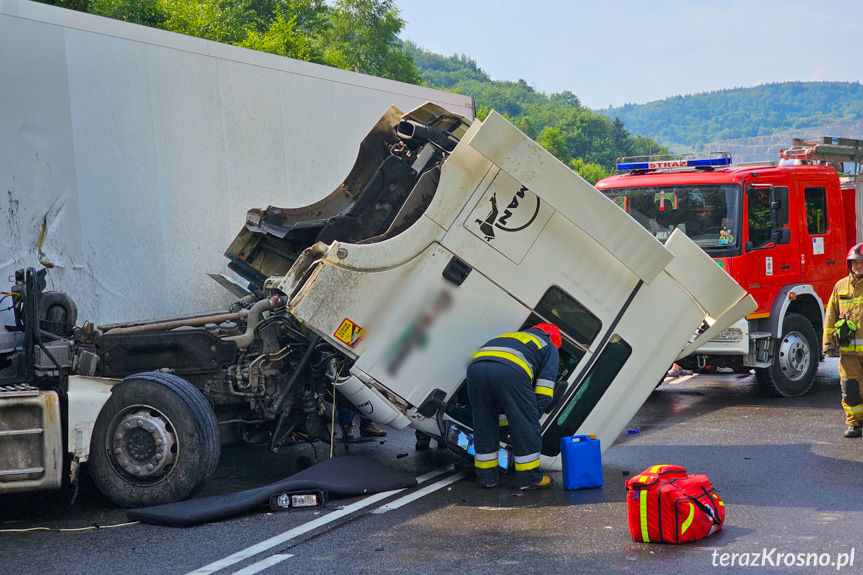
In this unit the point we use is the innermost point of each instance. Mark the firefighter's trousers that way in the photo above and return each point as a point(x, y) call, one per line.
point(496, 388)
point(851, 378)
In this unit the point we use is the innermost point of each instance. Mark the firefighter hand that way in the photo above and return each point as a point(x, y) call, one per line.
point(543, 403)
point(831, 352)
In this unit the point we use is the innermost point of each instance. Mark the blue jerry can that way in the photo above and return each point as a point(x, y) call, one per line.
point(582, 462)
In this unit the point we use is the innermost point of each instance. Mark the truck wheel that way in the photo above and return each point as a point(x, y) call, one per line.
point(155, 441)
point(795, 362)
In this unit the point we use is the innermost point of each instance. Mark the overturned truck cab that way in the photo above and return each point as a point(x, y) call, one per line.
point(445, 234)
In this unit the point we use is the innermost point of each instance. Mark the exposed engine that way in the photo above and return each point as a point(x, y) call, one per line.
point(266, 377)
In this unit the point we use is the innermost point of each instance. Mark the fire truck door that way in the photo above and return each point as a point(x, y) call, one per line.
point(770, 265)
point(822, 249)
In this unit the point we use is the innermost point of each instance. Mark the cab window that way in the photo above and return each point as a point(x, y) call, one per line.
point(588, 393)
point(816, 210)
point(758, 208)
point(571, 317)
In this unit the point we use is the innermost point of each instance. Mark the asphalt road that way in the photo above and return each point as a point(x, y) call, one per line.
point(790, 481)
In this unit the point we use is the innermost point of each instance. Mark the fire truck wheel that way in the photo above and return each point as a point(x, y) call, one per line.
point(155, 441)
point(796, 361)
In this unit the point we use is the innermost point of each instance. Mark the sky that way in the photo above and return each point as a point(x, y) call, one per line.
point(613, 52)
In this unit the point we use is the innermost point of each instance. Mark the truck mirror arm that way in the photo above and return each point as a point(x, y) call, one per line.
point(781, 236)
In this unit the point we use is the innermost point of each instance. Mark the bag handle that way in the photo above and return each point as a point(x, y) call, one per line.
point(714, 516)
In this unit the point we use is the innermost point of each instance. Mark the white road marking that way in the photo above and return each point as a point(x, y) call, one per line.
point(261, 565)
point(244, 554)
point(417, 494)
point(431, 474)
point(682, 378)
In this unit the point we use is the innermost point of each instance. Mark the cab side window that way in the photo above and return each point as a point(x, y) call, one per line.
point(760, 225)
point(816, 210)
point(758, 204)
point(569, 315)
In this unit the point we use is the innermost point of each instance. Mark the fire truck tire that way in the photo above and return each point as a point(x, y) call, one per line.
point(155, 441)
point(796, 361)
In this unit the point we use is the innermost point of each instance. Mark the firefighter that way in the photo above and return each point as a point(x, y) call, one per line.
point(513, 374)
point(844, 313)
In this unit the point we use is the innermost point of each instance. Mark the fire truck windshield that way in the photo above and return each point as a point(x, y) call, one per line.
point(708, 214)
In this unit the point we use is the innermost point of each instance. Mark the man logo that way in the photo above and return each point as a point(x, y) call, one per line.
point(486, 227)
point(518, 215)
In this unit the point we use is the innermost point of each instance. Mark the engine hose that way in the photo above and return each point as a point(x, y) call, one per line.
point(187, 322)
point(411, 131)
point(280, 401)
point(244, 340)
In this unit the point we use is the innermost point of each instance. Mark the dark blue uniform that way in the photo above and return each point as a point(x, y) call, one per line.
point(513, 374)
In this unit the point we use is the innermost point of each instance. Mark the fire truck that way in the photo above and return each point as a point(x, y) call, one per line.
point(780, 229)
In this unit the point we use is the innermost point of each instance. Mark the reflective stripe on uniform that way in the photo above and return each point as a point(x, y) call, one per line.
point(524, 338)
point(642, 509)
point(856, 345)
point(485, 460)
point(525, 462)
point(854, 409)
point(509, 355)
point(544, 387)
point(502, 421)
point(689, 519)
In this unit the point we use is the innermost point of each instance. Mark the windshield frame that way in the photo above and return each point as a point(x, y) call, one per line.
point(715, 251)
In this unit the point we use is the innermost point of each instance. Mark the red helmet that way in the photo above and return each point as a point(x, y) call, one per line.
point(553, 332)
point(855, 253)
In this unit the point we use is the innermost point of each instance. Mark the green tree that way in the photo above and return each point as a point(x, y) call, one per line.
point(283, 37)
point(364, 38)
point(590, 172)
point(358, 35)
point(551, 140)
point(146, 12)
point(558, 121)
point(292, 28)
point(79, 5)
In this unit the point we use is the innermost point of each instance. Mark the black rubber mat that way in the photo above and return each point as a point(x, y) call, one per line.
point(346, 476)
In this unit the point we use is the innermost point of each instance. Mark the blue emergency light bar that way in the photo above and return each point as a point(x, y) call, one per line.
point(656, 165)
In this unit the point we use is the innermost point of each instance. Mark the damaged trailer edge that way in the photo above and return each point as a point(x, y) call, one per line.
point(445, 234)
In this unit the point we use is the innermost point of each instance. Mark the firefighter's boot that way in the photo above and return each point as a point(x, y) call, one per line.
point(371, 431)
point(423, 442)
point(543, 483)
point(854, 429)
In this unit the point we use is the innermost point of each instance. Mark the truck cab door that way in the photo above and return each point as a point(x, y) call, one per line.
point(822, 254)
point(771, 246)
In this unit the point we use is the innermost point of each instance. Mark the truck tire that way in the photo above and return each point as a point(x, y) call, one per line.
point(795, 361)
point(155, 441)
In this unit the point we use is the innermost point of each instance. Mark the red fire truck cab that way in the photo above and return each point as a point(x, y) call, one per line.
point(781, 231)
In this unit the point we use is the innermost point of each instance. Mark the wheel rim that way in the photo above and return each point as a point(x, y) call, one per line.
point(143, 443)
point(794, 356)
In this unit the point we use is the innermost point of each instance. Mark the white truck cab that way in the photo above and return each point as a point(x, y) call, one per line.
point(446, 233)
point(510, 238)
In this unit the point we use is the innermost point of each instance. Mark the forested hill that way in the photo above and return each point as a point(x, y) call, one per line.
point(585, 140)
point(690, 122)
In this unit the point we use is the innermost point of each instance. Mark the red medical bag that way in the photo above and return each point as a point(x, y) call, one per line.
point(665, 505)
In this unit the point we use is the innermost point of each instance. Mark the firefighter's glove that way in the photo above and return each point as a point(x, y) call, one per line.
point(831, 352)
point(845, 330)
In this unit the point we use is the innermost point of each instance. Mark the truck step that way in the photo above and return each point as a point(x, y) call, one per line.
point(18, 390)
